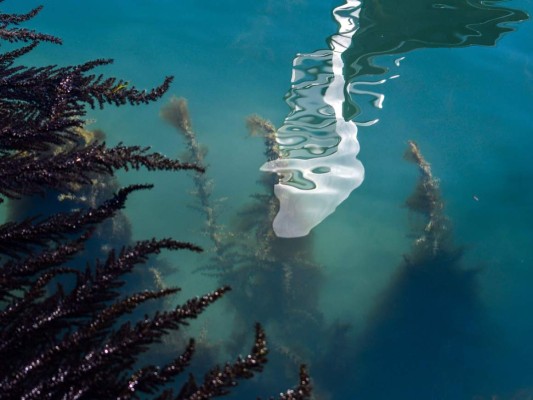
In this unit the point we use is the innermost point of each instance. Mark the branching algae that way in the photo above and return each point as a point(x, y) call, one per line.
point(62, 341)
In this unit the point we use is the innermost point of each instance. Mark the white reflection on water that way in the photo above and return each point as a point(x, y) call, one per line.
point(318, 169)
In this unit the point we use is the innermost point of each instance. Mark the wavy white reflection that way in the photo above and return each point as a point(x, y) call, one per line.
point(319, 169)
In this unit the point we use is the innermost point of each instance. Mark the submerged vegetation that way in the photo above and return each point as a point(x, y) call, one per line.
point(427, 335)
point(427, 331)
point(66, 327)
point(72, 325)
point(279, 281)
point(274, 279)
point(428, 328)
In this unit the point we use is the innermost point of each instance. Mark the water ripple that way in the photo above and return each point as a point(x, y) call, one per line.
point(318, 168)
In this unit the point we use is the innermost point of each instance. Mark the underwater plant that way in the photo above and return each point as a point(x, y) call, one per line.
point(427, 335)
point(65, 330)
point(176, 113)
point(268, 271)
point(273, 278)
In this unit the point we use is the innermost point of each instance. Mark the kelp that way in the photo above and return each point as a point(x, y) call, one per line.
point(274, 279)
point(428, 329)
point(66, 331)
point(176, 113)
point(435, 235)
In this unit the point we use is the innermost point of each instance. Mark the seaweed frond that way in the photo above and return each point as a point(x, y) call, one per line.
point(258, 126)
point(69, 331)
point(15, 34)
point(177, 114)
point(21, 237)
point(34, 173)
point(434, 239)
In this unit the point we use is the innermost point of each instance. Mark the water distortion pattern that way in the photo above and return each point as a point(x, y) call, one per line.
point(318, 168)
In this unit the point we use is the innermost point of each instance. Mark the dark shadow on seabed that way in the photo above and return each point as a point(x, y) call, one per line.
point(428, 336)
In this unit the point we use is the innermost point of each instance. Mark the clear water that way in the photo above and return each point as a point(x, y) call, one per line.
point(378, 332)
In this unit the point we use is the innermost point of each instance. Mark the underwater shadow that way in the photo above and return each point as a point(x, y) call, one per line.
point(428, 336)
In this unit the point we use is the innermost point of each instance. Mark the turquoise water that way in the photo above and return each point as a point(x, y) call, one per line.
point(467, 106)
